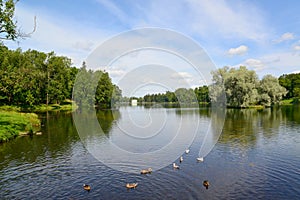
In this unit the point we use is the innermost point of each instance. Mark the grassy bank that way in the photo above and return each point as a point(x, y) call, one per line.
point(14, 123)
point(67, 105)
point(289, 102)
point(54, 107)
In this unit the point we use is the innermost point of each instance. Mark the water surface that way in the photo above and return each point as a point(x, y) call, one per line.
point(256, 157)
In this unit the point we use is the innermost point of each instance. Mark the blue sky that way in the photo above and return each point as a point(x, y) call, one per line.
point(264, 35)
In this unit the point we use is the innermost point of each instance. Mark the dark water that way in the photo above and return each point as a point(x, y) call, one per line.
point(256, 157)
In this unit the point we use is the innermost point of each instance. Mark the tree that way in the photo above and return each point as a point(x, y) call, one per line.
point(8, 27)
point(84, 88)
point(270, 90)
point(104, 90)
point(291, 82)
point(185, 95)
point(243, 88)
point(202, 94)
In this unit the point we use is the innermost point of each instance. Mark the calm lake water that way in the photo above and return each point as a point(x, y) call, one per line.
point(257, 156)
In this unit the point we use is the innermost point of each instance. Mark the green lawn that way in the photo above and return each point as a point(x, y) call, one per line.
point(13, 123)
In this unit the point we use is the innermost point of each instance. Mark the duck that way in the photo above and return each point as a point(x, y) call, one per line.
point(187, 151)
point(131, 185)
point(200, 159)
point(206, 184)
point(86, 187)
point(181, 159)
point(175, 166)
point(146, 171)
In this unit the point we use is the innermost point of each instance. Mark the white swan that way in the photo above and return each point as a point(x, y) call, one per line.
point(175, 166)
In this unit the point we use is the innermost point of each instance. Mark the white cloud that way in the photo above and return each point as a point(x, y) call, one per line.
point(275, 64)
point(238, 51)
point(208, 19)
point(256, 64)
point(57, 34)
point(116, 73)
point(285, 37)
point(297, 48)
point(83, 45)
point(181, 75)
point(230, 20)
point(296, 72)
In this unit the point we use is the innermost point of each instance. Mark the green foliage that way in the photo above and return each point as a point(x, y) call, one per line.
point(95, 87)
point(13, 123)
point(8, 27)
point(104, 90)
point(185, 95)
point(32, 78)
point(181, 95)
point(291, 82)
point(271, 91)
point(202, 94)
point(243, 88)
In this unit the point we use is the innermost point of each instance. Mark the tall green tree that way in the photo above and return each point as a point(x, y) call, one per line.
point(8, 27)
point(270, 90)
point(202, 94)
point(291, 82)
point(104, 90)
point(84, 88)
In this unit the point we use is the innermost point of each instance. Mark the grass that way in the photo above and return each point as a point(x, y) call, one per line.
point(66, 105)
point(289, 102)
point(14, 123)
point(54, 107)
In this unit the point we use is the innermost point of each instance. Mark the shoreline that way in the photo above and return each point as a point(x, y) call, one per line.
point(14, 124)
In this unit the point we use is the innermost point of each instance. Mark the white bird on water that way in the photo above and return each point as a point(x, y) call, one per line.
point(200, 159)
point(187, 151)
point(181, 159)
point(175, 166)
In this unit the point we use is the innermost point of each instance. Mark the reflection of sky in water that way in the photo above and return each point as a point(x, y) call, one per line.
point(156, 137)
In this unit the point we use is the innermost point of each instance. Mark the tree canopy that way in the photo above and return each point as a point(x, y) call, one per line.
point(32, 78)
point(8, 27)
point(292, 83)
point(243, 88)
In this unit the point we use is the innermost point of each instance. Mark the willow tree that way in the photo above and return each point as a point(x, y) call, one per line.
point(243, 88)
point(240, 86)
point(271, 92)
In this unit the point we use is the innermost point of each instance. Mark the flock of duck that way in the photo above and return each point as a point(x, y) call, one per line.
point(149, 171)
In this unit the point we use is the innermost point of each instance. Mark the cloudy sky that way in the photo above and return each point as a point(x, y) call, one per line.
point(263, 35)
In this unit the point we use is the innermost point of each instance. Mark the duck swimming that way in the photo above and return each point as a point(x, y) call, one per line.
point(86, 187)
point(131, 185)
point(181, 159)
point(206, 184)
point(146, 171)
point(175, 166)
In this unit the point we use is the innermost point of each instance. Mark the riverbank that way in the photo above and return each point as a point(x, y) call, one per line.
point(14, 124)
point(67, 105)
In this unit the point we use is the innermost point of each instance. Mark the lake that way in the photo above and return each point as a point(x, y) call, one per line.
point(256, 156)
